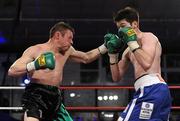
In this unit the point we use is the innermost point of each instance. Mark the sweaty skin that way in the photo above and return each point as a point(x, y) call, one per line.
point(63, 50)
point(151, 100)
point(60, 44)
point(145, 60)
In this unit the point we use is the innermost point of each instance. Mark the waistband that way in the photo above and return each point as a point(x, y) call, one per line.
point(148, 80)
point(37, 85)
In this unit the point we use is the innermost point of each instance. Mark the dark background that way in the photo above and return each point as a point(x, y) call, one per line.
point(27, 22)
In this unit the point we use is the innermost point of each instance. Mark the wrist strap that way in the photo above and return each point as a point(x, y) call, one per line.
point(102, 49)
point(113, 58)
point(113, 63)
point(136, 49)
point(133, 45)
point(30, 66)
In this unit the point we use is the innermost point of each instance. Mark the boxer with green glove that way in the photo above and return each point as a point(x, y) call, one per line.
point(128, 35)
point(45, 60)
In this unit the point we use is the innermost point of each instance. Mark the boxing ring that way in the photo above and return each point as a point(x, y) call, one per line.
point(87, 108)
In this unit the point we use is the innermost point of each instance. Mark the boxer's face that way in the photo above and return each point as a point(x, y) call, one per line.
point(66, 40)
point(123, 23)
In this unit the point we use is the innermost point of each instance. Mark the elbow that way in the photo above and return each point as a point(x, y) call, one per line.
point(10, 72)
point(86, 60)
point(16, 72)
point(116, 78)
point(116, 75)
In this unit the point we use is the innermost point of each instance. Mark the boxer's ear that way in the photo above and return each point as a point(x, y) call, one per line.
point(135, 24)
point(57, 34)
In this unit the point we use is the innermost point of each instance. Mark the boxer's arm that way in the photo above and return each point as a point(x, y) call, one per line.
point(84, 57)
point(87, 57)
point(118, 69)
point(18, 68)
point(145, 55)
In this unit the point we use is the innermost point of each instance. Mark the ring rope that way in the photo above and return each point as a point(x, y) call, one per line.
point(11, 108)
point(84, 87)
point(10, 87)
point(85, 108)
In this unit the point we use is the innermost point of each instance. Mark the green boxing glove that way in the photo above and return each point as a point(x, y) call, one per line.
point(114, 46)
point(108, 37)
point(103, 47)
point(129, 36)
point(45, 60)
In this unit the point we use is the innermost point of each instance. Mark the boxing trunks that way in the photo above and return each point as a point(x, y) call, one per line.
point(151, 101)
point(44, 103)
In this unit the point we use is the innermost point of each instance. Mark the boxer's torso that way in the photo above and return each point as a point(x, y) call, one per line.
point(50, 77)
point(145, 38)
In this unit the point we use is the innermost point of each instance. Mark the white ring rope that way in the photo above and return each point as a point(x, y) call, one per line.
point(9, 87)
point(11, 108)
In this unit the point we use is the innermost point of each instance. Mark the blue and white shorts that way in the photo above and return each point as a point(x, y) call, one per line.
point(151, 101)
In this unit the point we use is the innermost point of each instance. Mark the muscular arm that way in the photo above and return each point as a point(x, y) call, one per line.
point(84, 57)
point(146, 54)
point(18, 68)
point(118, 70)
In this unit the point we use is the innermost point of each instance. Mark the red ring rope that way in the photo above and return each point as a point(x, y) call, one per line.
point(97, 87)
point(104, 87)
point(89, 108)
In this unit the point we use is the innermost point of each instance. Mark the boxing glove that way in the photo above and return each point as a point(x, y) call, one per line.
point(45, 60)
point(103, 47)
point(128, 35)
point(114, 46)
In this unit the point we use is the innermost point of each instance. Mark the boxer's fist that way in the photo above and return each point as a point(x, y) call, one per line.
point(114, 44)
point(128, 35)
point(103, 48)
point(107, 37)
point(45, 60)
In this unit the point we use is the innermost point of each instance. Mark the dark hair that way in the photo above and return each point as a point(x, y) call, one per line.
point(61, 27)
point(128, 13)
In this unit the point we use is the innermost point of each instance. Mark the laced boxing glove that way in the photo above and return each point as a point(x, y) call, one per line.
point(128, 35)
point(45, 60)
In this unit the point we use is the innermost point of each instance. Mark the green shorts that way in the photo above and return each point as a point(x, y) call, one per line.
point(63, 115)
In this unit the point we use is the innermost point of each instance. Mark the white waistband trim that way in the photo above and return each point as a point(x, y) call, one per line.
point(147, 80)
